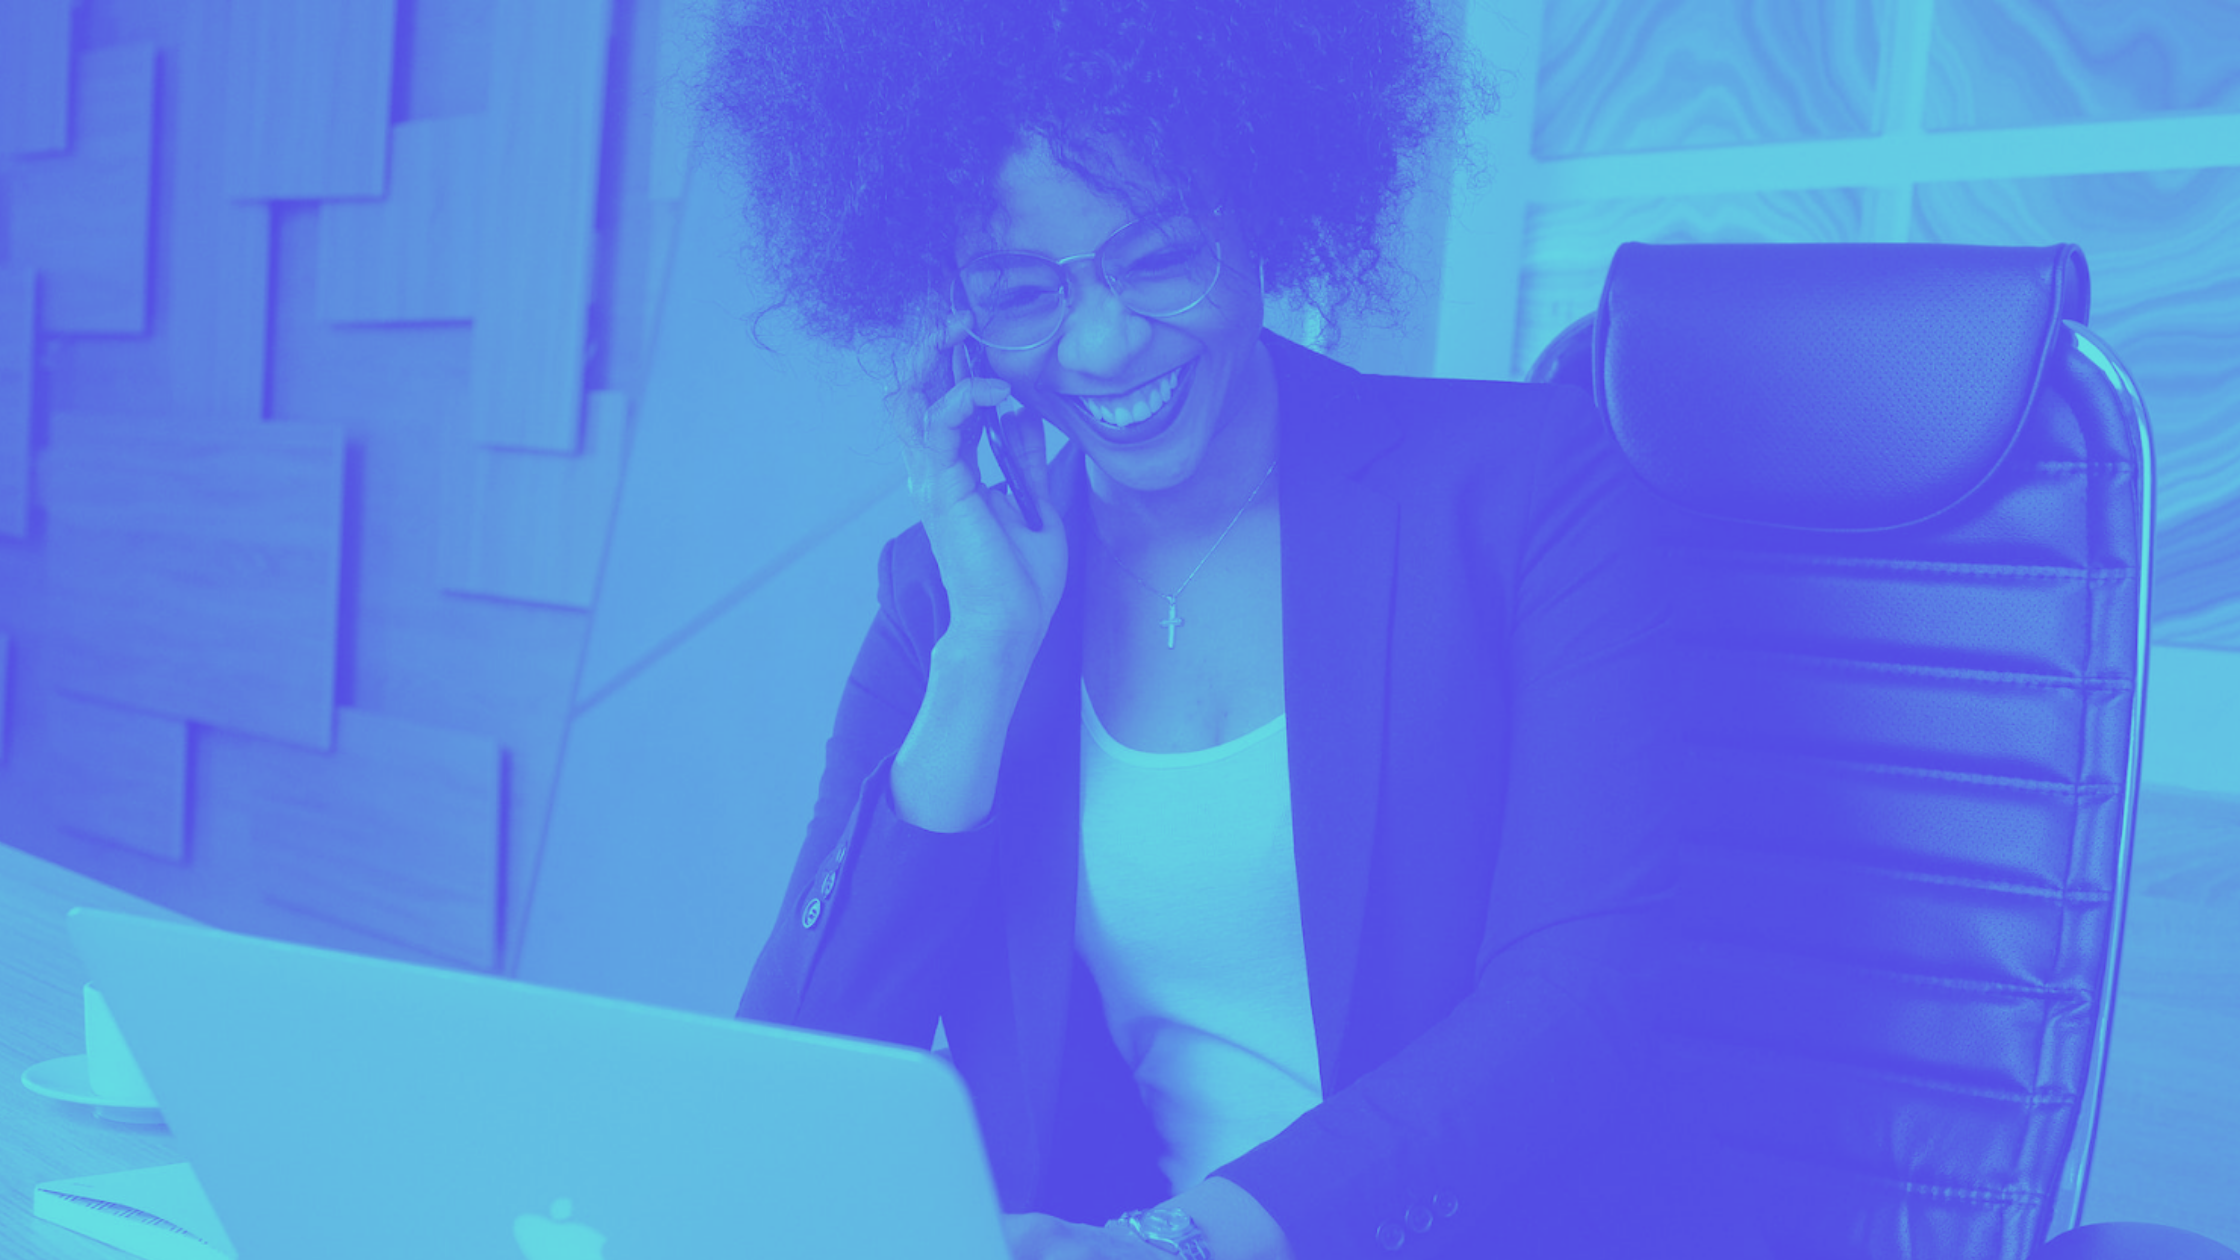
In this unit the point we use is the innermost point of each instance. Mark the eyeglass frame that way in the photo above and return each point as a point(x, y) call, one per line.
point(1066, 291)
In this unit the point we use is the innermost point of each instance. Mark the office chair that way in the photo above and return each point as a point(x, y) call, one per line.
point(1909, 497)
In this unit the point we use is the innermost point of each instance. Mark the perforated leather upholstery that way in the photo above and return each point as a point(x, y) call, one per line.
point(1909, 497)
point(1915, 382)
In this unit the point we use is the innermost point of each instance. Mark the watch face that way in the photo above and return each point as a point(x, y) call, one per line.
point(1168, 1220)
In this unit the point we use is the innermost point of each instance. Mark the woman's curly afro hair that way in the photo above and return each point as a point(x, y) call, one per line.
point(871, 131)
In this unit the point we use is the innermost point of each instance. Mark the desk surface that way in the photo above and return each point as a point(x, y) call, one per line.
point(2170, 1121)
point(42, 1017)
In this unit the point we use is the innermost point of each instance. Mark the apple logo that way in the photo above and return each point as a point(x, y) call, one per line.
point(554, 1238)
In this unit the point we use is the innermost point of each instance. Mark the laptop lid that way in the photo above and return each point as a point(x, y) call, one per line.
point(348, 1107)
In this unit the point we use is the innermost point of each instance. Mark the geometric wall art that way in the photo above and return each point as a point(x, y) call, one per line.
point(119, 775)
point(196, 569)
point(82, 217)
point(410, 256)
point(19, 333)
point(396, 831)
point(1621, 76)
point(2164, 249)
point(307, 101)
point(2015, 63)
point(538, 204)
point(34, 76)
point(214, 251)
point(525, 525)
point(229, 423)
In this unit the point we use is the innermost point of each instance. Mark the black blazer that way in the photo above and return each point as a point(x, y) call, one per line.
point(1469, 622)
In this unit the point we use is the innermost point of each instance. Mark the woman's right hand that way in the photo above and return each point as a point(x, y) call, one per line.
point(1003, 579)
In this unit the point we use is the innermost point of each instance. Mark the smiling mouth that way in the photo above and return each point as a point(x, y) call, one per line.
point(1140, 414)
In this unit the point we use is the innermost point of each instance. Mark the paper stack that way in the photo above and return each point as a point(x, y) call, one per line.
point(156, 1213)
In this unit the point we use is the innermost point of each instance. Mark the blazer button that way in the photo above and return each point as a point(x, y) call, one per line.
point(812, 912)
point(1418, 1217)
point(824, 886)
point(1445, 1204)
point(1390, 1236)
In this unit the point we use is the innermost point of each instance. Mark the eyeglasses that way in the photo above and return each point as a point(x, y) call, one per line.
point(1158, 266)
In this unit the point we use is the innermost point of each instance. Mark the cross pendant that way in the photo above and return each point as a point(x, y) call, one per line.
point(1170, 621)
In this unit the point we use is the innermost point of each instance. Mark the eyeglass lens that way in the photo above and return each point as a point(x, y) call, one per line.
point(1157, 267)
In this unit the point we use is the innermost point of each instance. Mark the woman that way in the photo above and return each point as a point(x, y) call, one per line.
point(1268, 830)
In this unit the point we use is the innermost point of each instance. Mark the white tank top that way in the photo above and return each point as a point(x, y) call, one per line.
point(1188, 916)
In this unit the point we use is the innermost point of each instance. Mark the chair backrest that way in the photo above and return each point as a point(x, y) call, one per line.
point(1909, 494)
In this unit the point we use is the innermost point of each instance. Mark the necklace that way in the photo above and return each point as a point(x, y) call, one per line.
point(1173, 620)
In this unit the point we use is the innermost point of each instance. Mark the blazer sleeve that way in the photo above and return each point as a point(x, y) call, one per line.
point(1501, 1129)
point(870, 918)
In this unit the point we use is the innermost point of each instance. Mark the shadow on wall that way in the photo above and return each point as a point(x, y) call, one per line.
point(739, 578)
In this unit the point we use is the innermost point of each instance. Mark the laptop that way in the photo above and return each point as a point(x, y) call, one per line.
point(346, 1107)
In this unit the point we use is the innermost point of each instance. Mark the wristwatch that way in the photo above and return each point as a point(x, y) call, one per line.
point(1170, 1229)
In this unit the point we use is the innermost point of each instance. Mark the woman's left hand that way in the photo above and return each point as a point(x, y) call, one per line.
point(1040, 1236)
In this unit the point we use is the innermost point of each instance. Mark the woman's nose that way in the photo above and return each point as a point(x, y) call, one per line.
point(1100, 334)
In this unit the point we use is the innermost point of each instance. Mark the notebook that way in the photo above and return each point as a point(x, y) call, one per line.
point(155, 1213)
point(355, 1108)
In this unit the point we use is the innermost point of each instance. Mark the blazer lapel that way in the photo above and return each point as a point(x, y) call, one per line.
point(1339, 535)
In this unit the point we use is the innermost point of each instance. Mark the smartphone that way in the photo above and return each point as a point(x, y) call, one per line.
point(971, 362)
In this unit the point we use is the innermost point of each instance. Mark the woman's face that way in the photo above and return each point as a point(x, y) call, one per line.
point(1104, 353)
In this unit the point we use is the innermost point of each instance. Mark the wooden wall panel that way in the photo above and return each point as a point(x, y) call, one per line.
point(396, 832)
point(307, 116)
point(82, 218)
point(19, 339)
point(409, 257)
point(547, 99)
point(35, 76)
point(217, 286)
point(218, 352)
point(443, 58)
point(119, 775)
point(196, 570)
point(524, 525)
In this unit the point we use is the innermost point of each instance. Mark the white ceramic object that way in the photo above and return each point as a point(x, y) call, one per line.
point(105, 1077)
point(65, 1080)
point(109, 1063)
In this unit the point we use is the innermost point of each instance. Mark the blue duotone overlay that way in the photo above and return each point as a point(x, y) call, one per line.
point(412, 544)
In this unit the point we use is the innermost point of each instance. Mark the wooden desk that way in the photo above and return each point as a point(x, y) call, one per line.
point(42, 1016)
point(2170, 1122)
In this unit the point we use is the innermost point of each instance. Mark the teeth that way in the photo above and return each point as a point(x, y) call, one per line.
point(1133, 408)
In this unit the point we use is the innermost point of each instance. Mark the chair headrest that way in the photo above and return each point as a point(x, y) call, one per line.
point(1841, 387)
